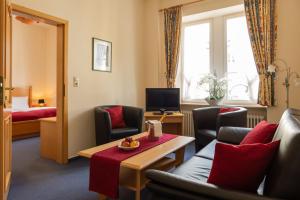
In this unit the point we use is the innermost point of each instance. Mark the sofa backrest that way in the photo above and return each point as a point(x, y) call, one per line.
point(283, 180)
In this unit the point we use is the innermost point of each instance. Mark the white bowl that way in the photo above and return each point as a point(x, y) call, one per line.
point(128, 148)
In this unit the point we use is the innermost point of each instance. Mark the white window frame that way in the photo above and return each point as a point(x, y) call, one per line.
point(219, 70)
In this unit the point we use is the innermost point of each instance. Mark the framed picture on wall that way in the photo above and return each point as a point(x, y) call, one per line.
point(102, 51)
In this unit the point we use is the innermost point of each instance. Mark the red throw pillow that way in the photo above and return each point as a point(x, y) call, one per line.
point(241, 167)
point(116, 117)
point(227, 109)
point(263, 132)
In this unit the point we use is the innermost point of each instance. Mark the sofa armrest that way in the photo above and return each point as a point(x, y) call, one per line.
point(102, 126)
point(134, 117)
point(165, 185)
point(233, 135)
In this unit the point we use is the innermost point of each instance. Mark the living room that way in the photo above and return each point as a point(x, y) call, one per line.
point(134, 29)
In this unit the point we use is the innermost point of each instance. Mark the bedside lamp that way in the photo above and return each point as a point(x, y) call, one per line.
point(41, 102)
point(273, 68)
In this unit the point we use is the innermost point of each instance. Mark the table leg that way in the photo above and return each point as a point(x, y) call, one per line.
point(179, 156)
point(102, 197)
point(138, 185)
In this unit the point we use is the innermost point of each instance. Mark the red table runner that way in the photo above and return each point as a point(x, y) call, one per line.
point(105, 165)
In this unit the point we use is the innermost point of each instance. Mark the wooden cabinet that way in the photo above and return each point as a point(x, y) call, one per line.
point(171, 124)
point(49, 138)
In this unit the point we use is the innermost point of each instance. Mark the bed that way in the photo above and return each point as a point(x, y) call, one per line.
point(26, 117)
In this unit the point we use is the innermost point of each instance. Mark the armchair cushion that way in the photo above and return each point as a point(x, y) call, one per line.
point(231, 163)
point(262, 133)
point(116, 117)
point(120, 133)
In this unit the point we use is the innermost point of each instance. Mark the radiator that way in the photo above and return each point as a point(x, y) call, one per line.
point(188, 125)
point(253, 119)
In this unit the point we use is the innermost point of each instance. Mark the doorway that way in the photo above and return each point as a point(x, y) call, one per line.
point(7, 10)
point(61, 72)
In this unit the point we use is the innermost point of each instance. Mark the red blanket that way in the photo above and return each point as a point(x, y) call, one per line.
point(33, 114)
point(105, 166)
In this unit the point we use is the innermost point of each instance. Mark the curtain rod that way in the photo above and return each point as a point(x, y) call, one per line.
point(183, 4)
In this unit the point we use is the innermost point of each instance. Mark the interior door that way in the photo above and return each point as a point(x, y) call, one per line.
point(5, 97)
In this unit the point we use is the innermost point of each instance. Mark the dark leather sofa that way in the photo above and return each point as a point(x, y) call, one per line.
point(208, 120)
point(189, 181)
point(133, 117)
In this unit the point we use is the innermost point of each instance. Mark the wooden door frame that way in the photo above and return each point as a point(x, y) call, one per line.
point(61, 73)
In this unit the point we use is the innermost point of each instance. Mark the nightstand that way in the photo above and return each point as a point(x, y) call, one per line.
point(49, 138)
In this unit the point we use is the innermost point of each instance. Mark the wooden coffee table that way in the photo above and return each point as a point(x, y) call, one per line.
point(132, 171)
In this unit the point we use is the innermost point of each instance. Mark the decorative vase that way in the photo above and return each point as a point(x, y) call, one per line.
point(212, 102)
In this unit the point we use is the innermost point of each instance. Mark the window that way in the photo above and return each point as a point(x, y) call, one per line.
point(197, 56)
point(241, 70)
point(220, 45)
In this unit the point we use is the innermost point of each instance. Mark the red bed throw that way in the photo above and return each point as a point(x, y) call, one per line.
point(105, 165)
point(33, 114)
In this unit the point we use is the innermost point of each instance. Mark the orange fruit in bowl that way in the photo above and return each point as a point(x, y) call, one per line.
point(134, 143)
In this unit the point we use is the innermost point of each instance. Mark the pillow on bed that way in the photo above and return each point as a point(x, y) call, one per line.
point(20, 103)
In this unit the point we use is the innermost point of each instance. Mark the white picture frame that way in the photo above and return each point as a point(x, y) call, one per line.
point(102, 55)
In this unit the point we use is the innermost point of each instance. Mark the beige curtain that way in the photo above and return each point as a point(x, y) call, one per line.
point(172, 30)
point(262, 26)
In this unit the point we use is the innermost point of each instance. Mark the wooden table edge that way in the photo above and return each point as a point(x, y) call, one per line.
point(137, 167)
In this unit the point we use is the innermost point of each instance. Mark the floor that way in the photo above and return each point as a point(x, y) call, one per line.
point(35, 178)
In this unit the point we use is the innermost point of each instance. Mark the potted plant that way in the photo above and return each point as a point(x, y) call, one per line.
point(216, 88)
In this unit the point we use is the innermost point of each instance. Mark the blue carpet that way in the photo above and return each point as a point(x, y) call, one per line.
point(35, 178)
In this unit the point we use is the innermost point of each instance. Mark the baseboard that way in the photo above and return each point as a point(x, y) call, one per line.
point(73, 158)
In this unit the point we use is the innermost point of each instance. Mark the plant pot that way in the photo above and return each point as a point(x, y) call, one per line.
point(213, 102)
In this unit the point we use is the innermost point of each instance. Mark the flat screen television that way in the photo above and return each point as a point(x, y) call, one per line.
point(167, 99)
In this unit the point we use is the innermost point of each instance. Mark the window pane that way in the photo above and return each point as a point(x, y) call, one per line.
point(196, 59)
point(241, 69)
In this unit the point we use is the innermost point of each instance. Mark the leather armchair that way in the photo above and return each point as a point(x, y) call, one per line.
point(133, 117)
point(208, 120)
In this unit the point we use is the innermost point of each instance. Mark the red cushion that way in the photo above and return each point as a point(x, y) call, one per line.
point(241, 167)
point(116, 117)
point(227, 109)
point(263, 132)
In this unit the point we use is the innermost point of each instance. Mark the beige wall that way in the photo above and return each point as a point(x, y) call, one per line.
point(34, 60)
point(288, 43)
point(288, 49)
point(118, 21)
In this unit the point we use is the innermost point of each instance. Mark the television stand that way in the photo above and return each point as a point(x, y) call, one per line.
point(160, 113)
point(173, 123)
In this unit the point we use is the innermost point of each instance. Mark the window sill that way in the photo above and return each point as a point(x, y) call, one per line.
point(204, 104)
